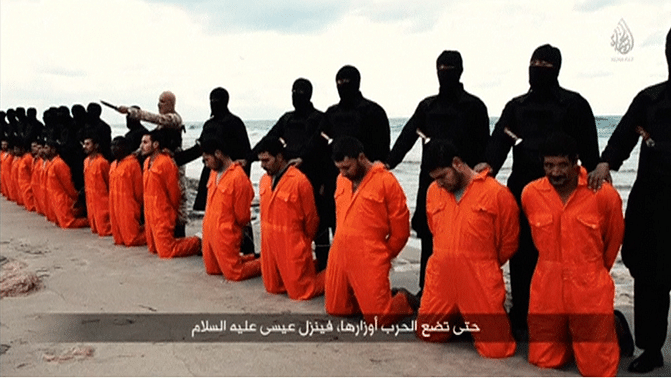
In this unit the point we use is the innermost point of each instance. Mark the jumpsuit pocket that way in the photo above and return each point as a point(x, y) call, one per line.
point(589, 237)
point(542, 229)
point(481, 223)
point(433, 210)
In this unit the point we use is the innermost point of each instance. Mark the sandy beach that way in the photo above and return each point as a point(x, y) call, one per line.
point(81, 273)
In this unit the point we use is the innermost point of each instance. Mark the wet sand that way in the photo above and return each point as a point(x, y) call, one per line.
point(85, 274)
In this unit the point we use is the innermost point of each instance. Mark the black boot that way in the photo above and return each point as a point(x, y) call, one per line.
point(647, 362)
point(624, 337)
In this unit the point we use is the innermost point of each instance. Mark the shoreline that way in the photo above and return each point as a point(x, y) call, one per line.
point(82, 273)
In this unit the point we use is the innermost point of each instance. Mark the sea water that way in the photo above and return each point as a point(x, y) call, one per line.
point(407, 172)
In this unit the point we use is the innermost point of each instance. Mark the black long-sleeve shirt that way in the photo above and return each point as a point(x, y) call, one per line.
point(650, 110)
point(533, 117)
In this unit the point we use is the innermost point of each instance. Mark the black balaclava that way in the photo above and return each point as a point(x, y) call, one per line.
point(11, 120)
point(79, 115)
point(348, 92)
point(543, 78)
point(94, 110)
point(449, 78)
point(219, 102)
point(668, 53)
point(301, 93)
point(21, 114)
point(4, 126)
point(132, 123)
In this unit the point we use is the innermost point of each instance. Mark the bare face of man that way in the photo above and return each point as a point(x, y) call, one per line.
point(560, 170)
point(146, 146)
point(271, 164)
point(350, 168)
point(448, 178)
point(212, 161)
point(89, 146)
point(34, 149)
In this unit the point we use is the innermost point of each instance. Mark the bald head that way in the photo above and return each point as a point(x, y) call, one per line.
point(166, 102)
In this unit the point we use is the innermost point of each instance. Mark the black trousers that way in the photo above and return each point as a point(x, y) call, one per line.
point(651, 311)
point(522, 266)
point(427, 251)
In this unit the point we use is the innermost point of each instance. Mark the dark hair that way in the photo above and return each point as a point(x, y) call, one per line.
point(122, 143)
point(346, 146)
point(159, 136)
point(53, 143)
point(272, 145)
point(95, 138)
point(211, 145)
point(439, 153)
point(560, 144)
point(120, 140)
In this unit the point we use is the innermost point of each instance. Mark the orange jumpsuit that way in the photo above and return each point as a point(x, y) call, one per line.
point(62, 195)
point(472, 239)
point(161, 203)
point(227, 212)
point(572, 292)
point(289, 222)
point(14, 182)
point(96, 184)
point(372, 227)
point(35, 177)
point(6, 172)
point(24, 177)
point(125, 202)
point(46, 198)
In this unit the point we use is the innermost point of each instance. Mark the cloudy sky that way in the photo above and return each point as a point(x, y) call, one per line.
point(62, 52)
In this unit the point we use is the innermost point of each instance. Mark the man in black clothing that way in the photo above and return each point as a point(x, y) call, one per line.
point(645, 249)
point(66, 131)
point(20, 121)
point(34, 127)
point(296, 128)
point(135, 132)
point(223, 126)
point(228, 128)
point(357, 117)
point(353, 116)
point(525, 123)
point(99, 127)
point(454, 115)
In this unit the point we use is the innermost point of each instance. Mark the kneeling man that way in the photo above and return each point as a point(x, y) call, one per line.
point(475, 225)
point(289, 222)
point(578, 233)
point(228, 211)
point(372, 227)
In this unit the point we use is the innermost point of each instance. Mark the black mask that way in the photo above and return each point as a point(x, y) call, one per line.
point(219, 102)
point(541, 78)
point(348, 89)
point(668, 52)
point(448, 80)
point(301, 92)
